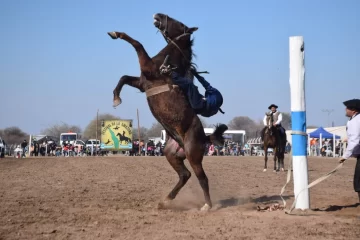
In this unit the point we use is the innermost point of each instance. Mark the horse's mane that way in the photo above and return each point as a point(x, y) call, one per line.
point(193, 66)
point(189, 66)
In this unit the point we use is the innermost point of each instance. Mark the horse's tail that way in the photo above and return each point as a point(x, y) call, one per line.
point(217, 136)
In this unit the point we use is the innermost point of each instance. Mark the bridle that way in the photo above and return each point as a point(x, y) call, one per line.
point(169, 40)
point(270, 127)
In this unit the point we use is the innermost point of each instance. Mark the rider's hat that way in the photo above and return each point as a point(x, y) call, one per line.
point(353, 104)
point(272, 105)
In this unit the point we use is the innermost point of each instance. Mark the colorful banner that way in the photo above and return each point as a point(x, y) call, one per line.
point(116, 135)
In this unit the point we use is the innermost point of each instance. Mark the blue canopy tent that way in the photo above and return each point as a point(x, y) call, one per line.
point(324, 134)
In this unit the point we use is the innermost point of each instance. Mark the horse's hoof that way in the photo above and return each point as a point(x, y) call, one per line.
point(164, 204)
point(112, 35)
point(117, 102)
point(283, 170)
point(274, 170)
point(264, 170)
point(205, 208)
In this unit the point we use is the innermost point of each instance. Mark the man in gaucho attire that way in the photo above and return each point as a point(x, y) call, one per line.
point(353, 134)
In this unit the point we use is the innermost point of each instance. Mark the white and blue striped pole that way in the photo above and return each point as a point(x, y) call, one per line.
point(298, 122)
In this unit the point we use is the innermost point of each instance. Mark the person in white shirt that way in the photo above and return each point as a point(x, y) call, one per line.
point(353, 134)
point(277, 116)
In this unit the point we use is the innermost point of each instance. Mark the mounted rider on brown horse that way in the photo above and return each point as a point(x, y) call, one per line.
point(273, 135)
point(170, 104)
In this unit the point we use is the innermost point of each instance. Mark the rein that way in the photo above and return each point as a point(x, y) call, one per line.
point(167, 87)
point(169, 40)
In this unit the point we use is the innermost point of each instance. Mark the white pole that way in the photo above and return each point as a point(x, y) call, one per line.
point(298, 116)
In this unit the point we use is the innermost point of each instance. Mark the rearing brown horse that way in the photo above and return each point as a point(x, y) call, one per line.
point(273, 139)
point(168, 104)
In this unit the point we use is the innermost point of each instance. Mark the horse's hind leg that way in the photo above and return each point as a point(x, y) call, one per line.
point(126, 80)
point(282, 167)
point(275, 157)
point(146, 64)
point(282, 157)
point(266, 157)
point(194, 151)
point(176, 160)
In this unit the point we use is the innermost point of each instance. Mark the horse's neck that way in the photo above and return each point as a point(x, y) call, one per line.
point(269, 121)
point(179, 57)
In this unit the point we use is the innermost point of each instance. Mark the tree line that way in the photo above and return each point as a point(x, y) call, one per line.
point(14, 135)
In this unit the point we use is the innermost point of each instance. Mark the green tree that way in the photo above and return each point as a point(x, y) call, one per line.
point(245, 123)
point(143, 133)
point(155, 130)
point(56, 129)
point(286, 121)
point(13, 135)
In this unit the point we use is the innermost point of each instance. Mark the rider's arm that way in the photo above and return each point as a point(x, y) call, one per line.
point(279, 119)
point(353, 137)
point(177, 79)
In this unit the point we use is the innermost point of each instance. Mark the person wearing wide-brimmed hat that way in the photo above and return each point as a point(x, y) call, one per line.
point(353, 134)
point(277, 117)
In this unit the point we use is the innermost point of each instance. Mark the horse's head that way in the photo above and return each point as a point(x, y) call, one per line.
point(179, 35)
point(170, 27)
point(270, 121)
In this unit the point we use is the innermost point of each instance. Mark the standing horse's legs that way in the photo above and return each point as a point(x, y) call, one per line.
point(266, 157)
point(146, 64)
point(176, 159)
point(279, 160)
point(282, 157)
point(125, 80)
point(275, 149)
point(282, 162)
point(194, 151)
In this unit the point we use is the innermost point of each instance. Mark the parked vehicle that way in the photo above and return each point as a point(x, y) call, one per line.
point(2, 148)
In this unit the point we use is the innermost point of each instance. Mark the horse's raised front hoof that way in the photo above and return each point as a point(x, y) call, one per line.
point(205, 208)
point(264, 170)
point(112, 35)
point(117, 102)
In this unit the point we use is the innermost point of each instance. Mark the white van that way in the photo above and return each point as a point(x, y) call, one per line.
point(238, 134)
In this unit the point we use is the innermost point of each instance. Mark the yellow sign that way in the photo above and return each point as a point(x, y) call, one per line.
point(116, 135)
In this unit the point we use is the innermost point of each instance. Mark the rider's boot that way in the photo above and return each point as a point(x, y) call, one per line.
point(202, 80)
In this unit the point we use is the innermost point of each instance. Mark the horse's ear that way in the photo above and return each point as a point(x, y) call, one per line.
point(191, 30)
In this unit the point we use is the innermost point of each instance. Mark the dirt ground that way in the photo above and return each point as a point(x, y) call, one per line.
point(117, 197)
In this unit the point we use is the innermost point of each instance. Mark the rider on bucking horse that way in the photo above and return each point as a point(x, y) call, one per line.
point(207, 105)
point(277, 118)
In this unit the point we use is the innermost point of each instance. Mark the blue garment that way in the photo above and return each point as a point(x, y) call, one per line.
point(205, 108)
point(214, 100)
point(281, 129)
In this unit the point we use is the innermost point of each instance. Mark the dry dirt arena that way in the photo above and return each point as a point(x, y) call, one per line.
point(117, 197)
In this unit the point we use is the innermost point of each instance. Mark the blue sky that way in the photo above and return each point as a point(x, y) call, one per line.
point(58, 64)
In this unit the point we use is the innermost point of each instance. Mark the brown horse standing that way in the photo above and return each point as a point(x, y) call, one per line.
point(168, 104)
point(272, 139)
